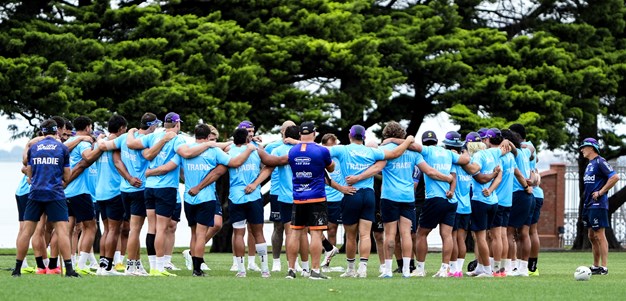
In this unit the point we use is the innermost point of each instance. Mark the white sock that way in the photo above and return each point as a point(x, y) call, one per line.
point(513, 264)
point(168, 259)
point(240, 265)
point(350, 264)
point(92, 258)
point(73, 258)
point(261, 249)
point(152, 259)
point(420, 266)
point(251, 260)
point(506, 263)
point(487, 269)
point(406, 266)
point(496, 266)
point(305, 266)
point(24, 263)
point(479, 269)
point(235, 260)
point(387, 266)
point(46, 261)
point(459, 264)
point(130, 265)
point(491, 262)
point(453, 267)
point(523, 266)
point(82, 259)
point(117, 257)
point(160, 264)
point(444, 267)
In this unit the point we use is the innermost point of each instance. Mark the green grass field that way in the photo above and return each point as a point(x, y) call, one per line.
point(555, 283)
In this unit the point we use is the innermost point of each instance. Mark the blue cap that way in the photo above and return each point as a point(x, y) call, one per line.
point(483, 133)
point(472, 137)
point(453, 139)
point(590, 142)
point(172, 117)
point(357, 131)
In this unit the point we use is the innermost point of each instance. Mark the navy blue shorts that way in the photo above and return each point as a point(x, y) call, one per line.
point(502, 217)
point(437, 211)
point(596, 218)
point(21, 200)
point(218, 208)
point(537, 212)
point(361, 205)
point(137, 201)
point(203, 214)
point(482, 215)
point(55, 210)
point(162, 200)
point(274, 208)
point(96, 211)
point(285, 211)
point(391, 211)
point(112, 209)
point(461, 221)
point(81, 207)
point(251, 212)
point(334, 212)
point(177, 212)
point(521, 209)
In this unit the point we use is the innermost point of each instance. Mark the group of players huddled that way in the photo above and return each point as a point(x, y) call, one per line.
point(486, 183)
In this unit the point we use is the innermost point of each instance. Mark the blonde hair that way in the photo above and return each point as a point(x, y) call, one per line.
point(214, 131)
point(474, 147)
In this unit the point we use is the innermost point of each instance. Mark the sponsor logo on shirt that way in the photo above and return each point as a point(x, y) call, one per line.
point(45, 160)
point(589, 178)
point(302, 161)
point(304, 174)
point(46, 147)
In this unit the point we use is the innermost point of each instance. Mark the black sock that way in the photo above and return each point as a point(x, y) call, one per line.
point(109, 263)
point(69, 269)
point(400, 263)
point(532, 264)
point(39, 261)
point(327, 245)
point(104, 262)
point(18, 267)
point(412, 265)
point(53, 264)
point(150, 244)
point(197, 262)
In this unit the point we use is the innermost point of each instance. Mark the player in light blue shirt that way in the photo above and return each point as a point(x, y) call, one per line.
point(358, 211)
point(398, 198)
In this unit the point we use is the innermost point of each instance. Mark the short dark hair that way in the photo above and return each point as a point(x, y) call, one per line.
point(49, 127)
point(240, 136)
point(68, 125)
point(518, 128)
point(202, 131)
point(145, 119)
point(116, 122)
point(82, 122)
point(60, 121)
point(292, 132)
point(512, 136)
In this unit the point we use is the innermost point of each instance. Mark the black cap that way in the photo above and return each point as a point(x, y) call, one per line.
point(307, 127)
point(429, 136)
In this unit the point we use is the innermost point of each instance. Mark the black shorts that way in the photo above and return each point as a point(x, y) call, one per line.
point(482, 215)
point(162, 200)
point(203, 214)
point(81, 207)
point(285, 211)
point(55, 210)
point(177, 212)
point(135, 202)
point(334, 212)
point(360, 205)
point(112, 209)
point(521, 209)
point(251, 212)
point(461, 221)
point(537, 212)
point(312, 215)
point(437, 211)
point(502, 217)
point(21, 200)
point(274, 208)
